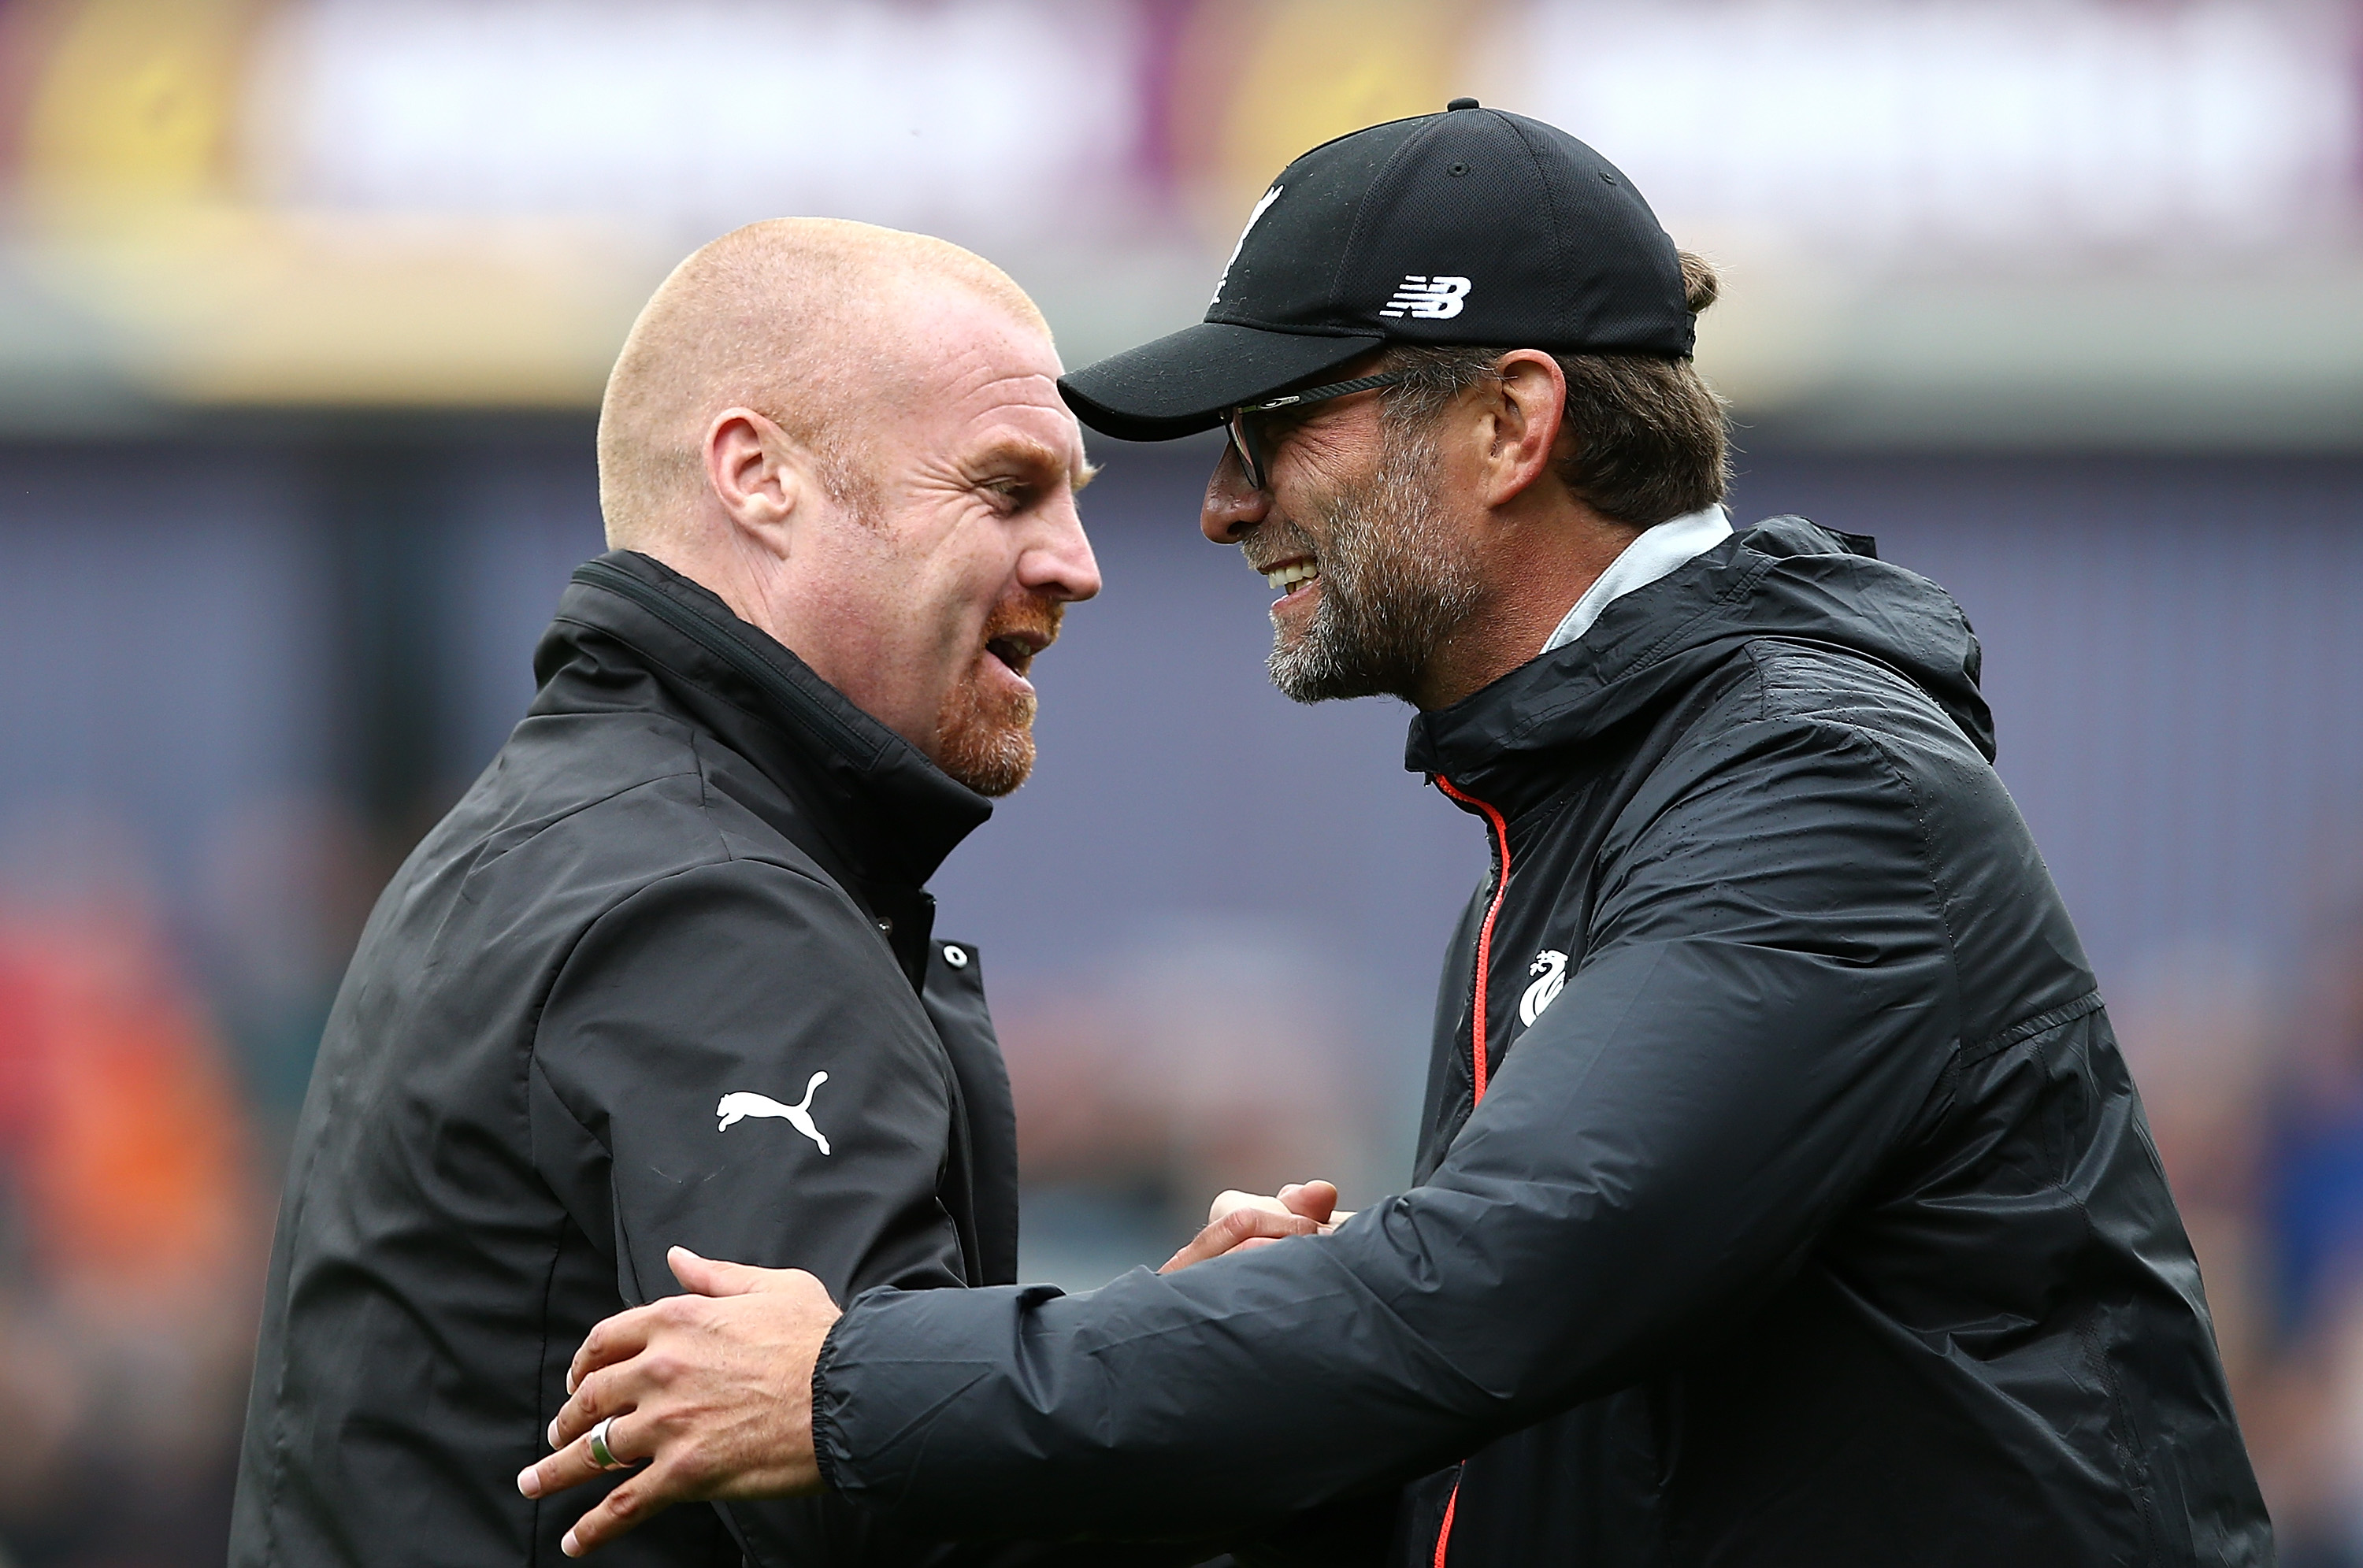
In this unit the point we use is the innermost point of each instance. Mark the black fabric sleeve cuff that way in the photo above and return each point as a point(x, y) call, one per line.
point(826, 1438)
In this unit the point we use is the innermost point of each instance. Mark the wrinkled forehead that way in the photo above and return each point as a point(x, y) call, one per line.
point(955, 367)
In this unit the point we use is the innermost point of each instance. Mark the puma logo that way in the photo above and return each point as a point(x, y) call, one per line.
point(740, 1106)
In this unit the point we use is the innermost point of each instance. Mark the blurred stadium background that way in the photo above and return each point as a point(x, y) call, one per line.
point(305, 309)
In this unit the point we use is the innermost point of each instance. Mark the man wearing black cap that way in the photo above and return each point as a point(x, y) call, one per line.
point(1782, 1196)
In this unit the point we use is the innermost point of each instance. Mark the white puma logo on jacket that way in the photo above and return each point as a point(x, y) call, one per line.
point(742, 1104)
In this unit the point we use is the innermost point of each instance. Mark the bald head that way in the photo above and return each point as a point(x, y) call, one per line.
point(803, 320)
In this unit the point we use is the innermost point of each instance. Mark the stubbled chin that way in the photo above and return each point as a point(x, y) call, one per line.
point(985, 733)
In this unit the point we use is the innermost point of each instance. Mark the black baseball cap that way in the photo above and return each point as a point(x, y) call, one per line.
point(1472, 226)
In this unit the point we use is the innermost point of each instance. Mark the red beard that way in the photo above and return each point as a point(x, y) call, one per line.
point(985, 738)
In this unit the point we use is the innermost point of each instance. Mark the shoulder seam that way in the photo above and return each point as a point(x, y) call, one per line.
point(705, 797)
point(1763, 681)
point(2028, 1029)
point(1872, 741)
point(533, 1018)
point(1759, 651)
point(569, 814)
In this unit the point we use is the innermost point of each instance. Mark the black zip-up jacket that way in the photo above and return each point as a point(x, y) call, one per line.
point(1784, 1196)
point(665, 975)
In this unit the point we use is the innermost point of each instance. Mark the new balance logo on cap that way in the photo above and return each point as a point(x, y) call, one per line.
point(1570, 258)
point(1433, 299)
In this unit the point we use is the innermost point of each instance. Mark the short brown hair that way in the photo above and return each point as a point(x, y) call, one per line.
point(1646, 439)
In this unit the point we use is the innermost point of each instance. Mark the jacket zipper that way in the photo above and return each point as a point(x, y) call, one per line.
point(1477, 1047)
point(1484, 934)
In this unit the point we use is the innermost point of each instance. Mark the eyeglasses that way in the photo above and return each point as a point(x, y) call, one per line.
point(1252, 444)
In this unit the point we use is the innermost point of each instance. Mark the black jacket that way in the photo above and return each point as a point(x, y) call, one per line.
point(694, 872)
point(1808, 1215)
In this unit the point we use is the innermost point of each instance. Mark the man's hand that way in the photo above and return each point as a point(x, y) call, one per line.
point(714, 1390)
point(1236, 1220)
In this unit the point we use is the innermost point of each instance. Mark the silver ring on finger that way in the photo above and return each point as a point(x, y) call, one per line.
point(601, 1455)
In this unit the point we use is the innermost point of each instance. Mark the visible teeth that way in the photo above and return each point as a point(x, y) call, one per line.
point(1288, 577)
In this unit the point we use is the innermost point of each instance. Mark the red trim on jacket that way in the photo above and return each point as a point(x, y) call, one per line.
point(1484, 936)
point(1477, 1040)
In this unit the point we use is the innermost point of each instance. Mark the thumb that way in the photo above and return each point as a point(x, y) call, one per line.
point(707, 1277)
point(1316, 1200)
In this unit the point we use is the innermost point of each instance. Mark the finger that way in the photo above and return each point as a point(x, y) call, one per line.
point(620, 1337)
point(1232, 1228)
point(1231, 1201)
point(711, 1276)
point(1314, 1199)
point(708, 1276)
point(629, 1505)
point(573, 1465)
point(610, 1391)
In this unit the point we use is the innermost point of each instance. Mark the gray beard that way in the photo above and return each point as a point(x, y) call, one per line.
point(1395, 583)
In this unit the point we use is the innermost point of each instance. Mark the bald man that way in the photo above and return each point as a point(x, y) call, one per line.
point(666, 976)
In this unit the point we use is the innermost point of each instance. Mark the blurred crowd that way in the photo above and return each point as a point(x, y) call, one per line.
point(2253, 1079)
point(151, 1060)
point(134, 1219)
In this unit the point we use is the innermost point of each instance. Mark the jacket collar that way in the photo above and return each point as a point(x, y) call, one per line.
point(631, 633)
point(1513, 743)
point(1666, 548)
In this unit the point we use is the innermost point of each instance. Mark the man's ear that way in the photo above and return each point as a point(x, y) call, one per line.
point(1527, 406)
point(759, 475)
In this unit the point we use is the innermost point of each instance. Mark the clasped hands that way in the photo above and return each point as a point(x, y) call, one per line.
point(1237, 1221)
point(713, 1389)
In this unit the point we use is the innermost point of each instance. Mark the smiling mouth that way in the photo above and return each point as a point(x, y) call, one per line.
point(1288, 575)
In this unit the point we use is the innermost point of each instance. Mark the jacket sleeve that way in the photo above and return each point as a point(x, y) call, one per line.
point(1765, 1007)
point(682, 1027)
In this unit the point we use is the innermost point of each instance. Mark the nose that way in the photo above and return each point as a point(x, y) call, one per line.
point(1060, 563)
point(1232, 506)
